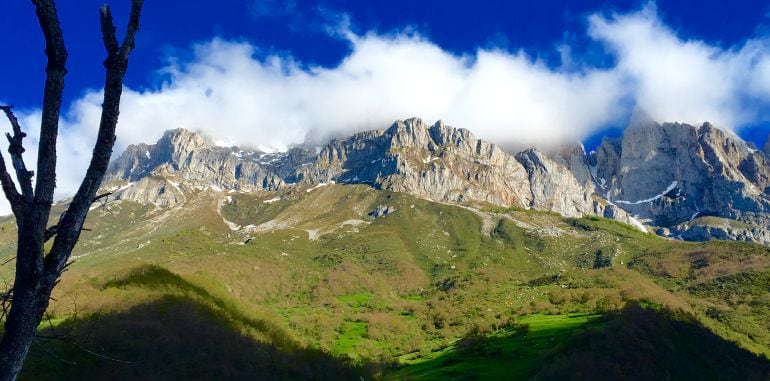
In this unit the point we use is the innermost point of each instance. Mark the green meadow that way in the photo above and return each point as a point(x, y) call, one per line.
point(313, 287)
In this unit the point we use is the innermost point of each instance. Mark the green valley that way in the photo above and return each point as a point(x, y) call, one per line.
point(306, 284)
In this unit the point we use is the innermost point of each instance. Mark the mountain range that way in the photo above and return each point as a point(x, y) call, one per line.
point(675, 180)
point(418, 252)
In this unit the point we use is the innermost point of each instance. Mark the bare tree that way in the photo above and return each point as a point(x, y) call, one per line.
point(37, 269)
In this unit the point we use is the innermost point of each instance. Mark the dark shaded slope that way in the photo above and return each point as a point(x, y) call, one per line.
point(184, 334)
point(645, 344)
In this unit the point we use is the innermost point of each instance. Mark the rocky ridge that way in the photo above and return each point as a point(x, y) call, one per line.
point(669, 176)
point(156, 173)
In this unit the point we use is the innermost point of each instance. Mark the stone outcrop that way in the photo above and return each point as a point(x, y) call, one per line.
point(443, 163)
point(152, 190)
point(667, 175)
point(553, 186)
point(189, 157)
point(708, 228)
point(672, 173)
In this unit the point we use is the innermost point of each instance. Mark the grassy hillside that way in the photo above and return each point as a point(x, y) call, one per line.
point(311, 280)
point(632, 344)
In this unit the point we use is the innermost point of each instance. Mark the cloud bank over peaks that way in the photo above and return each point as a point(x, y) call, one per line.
point(274, 102)
point(686, 80)
point(230, 91)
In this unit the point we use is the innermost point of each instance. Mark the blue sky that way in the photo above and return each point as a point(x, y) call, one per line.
point(299, 28)
point(267, 74)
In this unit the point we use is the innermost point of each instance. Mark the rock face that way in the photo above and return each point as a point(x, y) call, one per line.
point(724, 230)
point(672, 173)
point(671, 176)
point(152, 190)
point(437, 162)
point(443, 163)
point(553, 186)
point(188, 157)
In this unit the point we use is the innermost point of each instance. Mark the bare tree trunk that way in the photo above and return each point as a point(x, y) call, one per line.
point(30, 302)
point(38, 272)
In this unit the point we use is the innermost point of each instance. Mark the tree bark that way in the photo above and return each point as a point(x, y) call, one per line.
point(37, 273)
point(30, 301)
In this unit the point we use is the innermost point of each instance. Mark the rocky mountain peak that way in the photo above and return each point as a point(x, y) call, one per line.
point(184, 157)
point(667, 175)
point(674, 175)
point(444, 163)
point(179, 142)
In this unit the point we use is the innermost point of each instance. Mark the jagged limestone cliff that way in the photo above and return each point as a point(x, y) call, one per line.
point(670, 176)
point(443, 163)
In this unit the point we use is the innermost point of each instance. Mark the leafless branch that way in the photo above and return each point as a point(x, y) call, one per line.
point(101, 196)
point(51, 231)
point(36, 273)
point(72, 342)
point(52, 99)
point(5, 303)
point(16, 149)
point(53, 355)
point(9, 189)
point(108, 30)
point(7, 261)
point(116, 65)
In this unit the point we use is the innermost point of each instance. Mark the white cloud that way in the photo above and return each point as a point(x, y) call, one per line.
point(509, 98)
point(685, 80)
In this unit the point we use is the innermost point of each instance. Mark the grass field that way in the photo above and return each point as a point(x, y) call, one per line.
point(313, 274)
point(511, 353)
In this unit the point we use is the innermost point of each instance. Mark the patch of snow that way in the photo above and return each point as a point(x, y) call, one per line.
point(633, 219)
point(651, 199)
point(272, 200)
point(147, 154)
point(429, 159)
point(233, 226)
point(593, 170)
point(354, 222)
point(697, 212)
point(124, 187)
point(638, 224)
point(312, 234)
point(317, 186)
point(602, 182)
point(175, 185)
point(599, 180)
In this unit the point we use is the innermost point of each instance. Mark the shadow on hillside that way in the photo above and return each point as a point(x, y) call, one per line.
point(645, 344)
point(181, 335)
point(634, 344)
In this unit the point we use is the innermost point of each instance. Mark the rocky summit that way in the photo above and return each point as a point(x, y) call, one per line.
point(690, 182)
point(677, 180)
